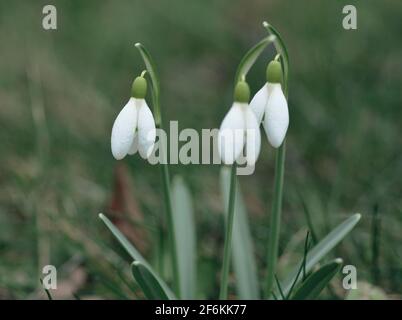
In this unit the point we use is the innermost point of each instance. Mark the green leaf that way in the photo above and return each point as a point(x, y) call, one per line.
point(149, 284)
point(317, 281)
point(251, 56)
point(183, 218)
point(242, 247)
point(133, 252)
point(323, 247)
point(150, 65)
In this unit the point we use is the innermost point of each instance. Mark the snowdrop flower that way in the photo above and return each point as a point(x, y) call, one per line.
point(270, 103)
point(239, 129)
point(134, 128)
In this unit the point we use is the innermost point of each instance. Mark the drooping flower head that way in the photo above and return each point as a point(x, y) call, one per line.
point(239, 129)
point(270, 105)
point(134, 128)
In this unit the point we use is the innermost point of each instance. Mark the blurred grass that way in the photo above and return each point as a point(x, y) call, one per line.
point(61, 90)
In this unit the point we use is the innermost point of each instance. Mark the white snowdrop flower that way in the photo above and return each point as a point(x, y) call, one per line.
point(134, 128)
point(270, 106)
point(259, 101)
point(239, 130)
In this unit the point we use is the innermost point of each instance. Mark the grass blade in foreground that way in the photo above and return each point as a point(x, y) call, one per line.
point(183, 218)
point(316, 282)
point(133, 252)
point(323, 247)
point(244, 264)
point(150, 285)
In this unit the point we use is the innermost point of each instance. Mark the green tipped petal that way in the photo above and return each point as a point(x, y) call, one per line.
point(242, 92)
point(139, 88)
point(274, 72)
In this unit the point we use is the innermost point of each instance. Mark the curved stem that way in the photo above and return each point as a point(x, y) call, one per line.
point(251, 56)
point(228, 236)
point(165, 176)
point(276, 211)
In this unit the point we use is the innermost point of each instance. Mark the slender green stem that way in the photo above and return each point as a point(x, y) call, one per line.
point(151, 70)
point(228, 236)
point(170, 225)
point(275, 218)
point(276, 210)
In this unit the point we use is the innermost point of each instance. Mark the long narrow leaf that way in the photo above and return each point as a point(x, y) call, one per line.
point(150, 285)
point(183, 218)
point(317, 281)
point(242, 247)
point(323, 247)
point(133, 252)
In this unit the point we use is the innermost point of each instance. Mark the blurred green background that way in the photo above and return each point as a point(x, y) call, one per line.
point(61, 90)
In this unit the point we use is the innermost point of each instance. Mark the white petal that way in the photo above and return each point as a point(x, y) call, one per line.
point(231, 134)
point(134, 146)
point(259, 102)
point(276, 119)
point(146, 130)
point(123, 130)
point(253, 137)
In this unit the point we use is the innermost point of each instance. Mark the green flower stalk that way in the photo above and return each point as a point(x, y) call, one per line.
point(239, 130)
point(276, 211)
point(165, 174)
point(239, 120)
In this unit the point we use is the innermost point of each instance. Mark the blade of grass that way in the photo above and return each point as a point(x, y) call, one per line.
point(49, 296)
point(183, 214)
point(280, 288)
point(150, 285)
point(302, 266)
point(317, 281)
point(132, 251)
point(323, 247)
point(243, 259)
point(308, 219)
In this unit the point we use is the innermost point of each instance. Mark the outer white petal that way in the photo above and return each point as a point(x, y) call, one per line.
point(134, 146)
point(123, 130)
point(231, 134)
point(253, 137)
point(259, 102)
point(276, 119)
point(146, 130)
